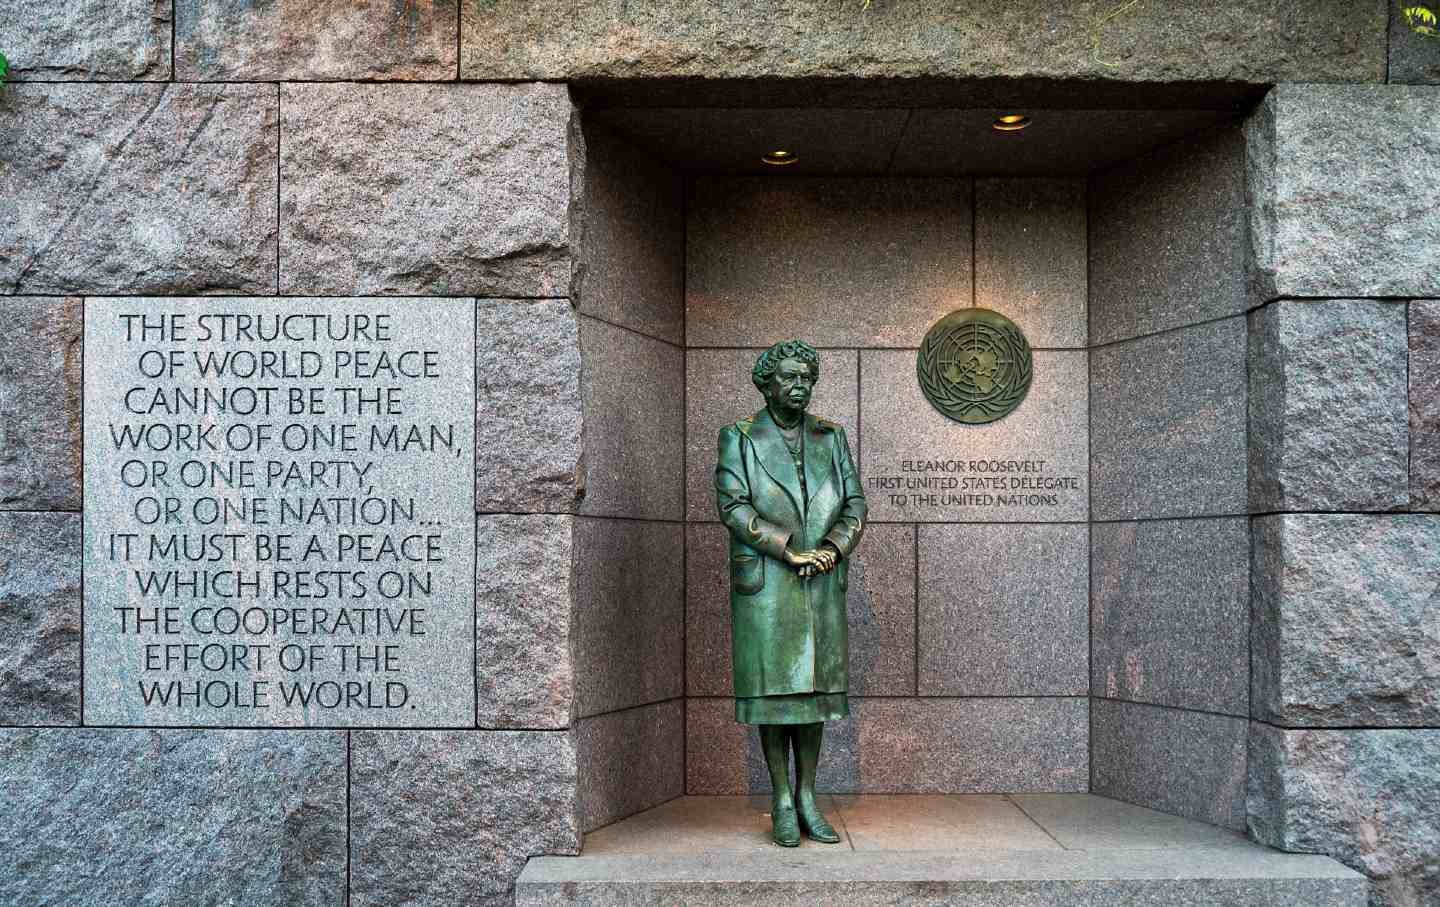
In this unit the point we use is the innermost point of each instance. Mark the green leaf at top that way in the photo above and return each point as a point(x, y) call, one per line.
point(4, 68)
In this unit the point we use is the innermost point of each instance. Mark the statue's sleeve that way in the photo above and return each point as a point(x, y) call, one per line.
point(732, 494)
point(845, 534)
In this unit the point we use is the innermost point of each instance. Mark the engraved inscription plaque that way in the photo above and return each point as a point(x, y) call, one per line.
point(975, 366)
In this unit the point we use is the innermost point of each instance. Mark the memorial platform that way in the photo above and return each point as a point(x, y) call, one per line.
point(1018, 850)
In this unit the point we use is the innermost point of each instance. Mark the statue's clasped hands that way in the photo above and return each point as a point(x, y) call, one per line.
point(812, 562)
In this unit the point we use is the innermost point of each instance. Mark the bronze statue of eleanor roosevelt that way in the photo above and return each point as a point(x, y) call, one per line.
point(789, 495)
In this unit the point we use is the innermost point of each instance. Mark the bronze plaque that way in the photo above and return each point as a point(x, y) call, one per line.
point(974, 366)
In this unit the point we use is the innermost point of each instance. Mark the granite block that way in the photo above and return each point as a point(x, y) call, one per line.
point(1328, 417)
point(1414, 56)
point(528, 412)
point(127, 188)
point(908, 746)
point(139, 817)
point(1189, 764)
point(1168, 424)
point(39, 618)
point(1344, 628)
point(1015, 627)
point(1335, 209)
point(629, 613)
point(1170, 613)
point(835, 262)
point(880, 603)
point(1167, 238)
point(1030, 256)
point(632, 387)
point(450, 817)
point(240, 40)
point(524, 621)
point(88, 41)
point(1425, 404)
point(629, 761)
point(918, 465)
point(632, 253)
point(718, 392)
point(405, 189)
point(40, 365)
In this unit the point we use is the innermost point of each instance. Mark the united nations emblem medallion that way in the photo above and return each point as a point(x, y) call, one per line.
point(974, 366)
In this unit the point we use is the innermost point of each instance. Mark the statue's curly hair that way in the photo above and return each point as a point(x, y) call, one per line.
point(788, 349)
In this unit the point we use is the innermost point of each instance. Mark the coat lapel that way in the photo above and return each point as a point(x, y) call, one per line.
point(819, 450)
point(774, 456)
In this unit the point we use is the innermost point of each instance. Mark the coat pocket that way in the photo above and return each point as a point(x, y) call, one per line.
point(747, 573)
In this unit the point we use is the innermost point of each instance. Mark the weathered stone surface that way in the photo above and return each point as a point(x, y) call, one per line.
point(234, 40)
point(39, 618)
point(1346, 620)
point(633, 393)
point(1425, 404)
point(1331, 40)
point(1030, 258)
point(630, 761)
point(528, 413)
point(524, 669)
point(1167, 238)
point(448, 818)
point(1328, 417)
point(139, 188)
point(1170, 613)
point(836, 262)
point(880, 602)
point(126, 817)
point(1414, 57)
point(1335, 208)
point(88, 40)
point(1186, 763)
point(1370, 799)
point(633, 247)
point(417, 189)
point(1168, 424)
point(629, 613)
point(40, 446)
point(1015, 627)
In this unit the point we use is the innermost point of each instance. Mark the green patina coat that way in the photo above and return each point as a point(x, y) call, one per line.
point(788, 634)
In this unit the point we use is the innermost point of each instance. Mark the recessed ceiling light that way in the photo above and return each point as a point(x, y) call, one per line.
point(1010, 122)
point(780, 158)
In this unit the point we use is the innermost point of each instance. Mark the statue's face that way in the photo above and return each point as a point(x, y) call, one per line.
point(791, 385)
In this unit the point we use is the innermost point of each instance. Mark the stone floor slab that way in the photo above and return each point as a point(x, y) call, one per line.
point(1086, 822)
point(700, 825)
point(940, 822)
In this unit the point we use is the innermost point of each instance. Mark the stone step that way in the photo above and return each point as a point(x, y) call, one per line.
point(1248, 876)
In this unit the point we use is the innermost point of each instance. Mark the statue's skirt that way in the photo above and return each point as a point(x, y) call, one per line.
point(792, 708)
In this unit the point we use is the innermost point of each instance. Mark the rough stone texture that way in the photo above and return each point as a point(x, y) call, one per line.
point(40, 445)
point(304, 40)
point(630, 761)
point(89, 40)
point(39, 618)
point(1185, 763)
point(1170, 613)
point(1050, 425)
point(633, 246)
point(1168, 424)
point(1346, 620)
point(1331, 40)
point(1335, 206)
point(449, 190)
point(718, 391)
point(880, 612)
point(1167, 238)
point(634, 403)
point(1425, 405)
point(1017, 627)
point(1328, 416)
point(448, 818)
point(528, 414)
point(524, 667)
point(908, 746)
point(127, 817)
point(1414, 57)
point(1030, 256)
point(629, 613)
point(138, 188)
point(1370, 799)
point(882, 259)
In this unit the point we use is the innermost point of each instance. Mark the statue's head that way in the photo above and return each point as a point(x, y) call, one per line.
point(786, 375)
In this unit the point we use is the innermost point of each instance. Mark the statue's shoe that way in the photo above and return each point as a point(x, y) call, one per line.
point(817, 828)
point(786, 828)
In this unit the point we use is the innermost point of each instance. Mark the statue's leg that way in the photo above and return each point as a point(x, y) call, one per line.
point(775, 741)
point(807, 739)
